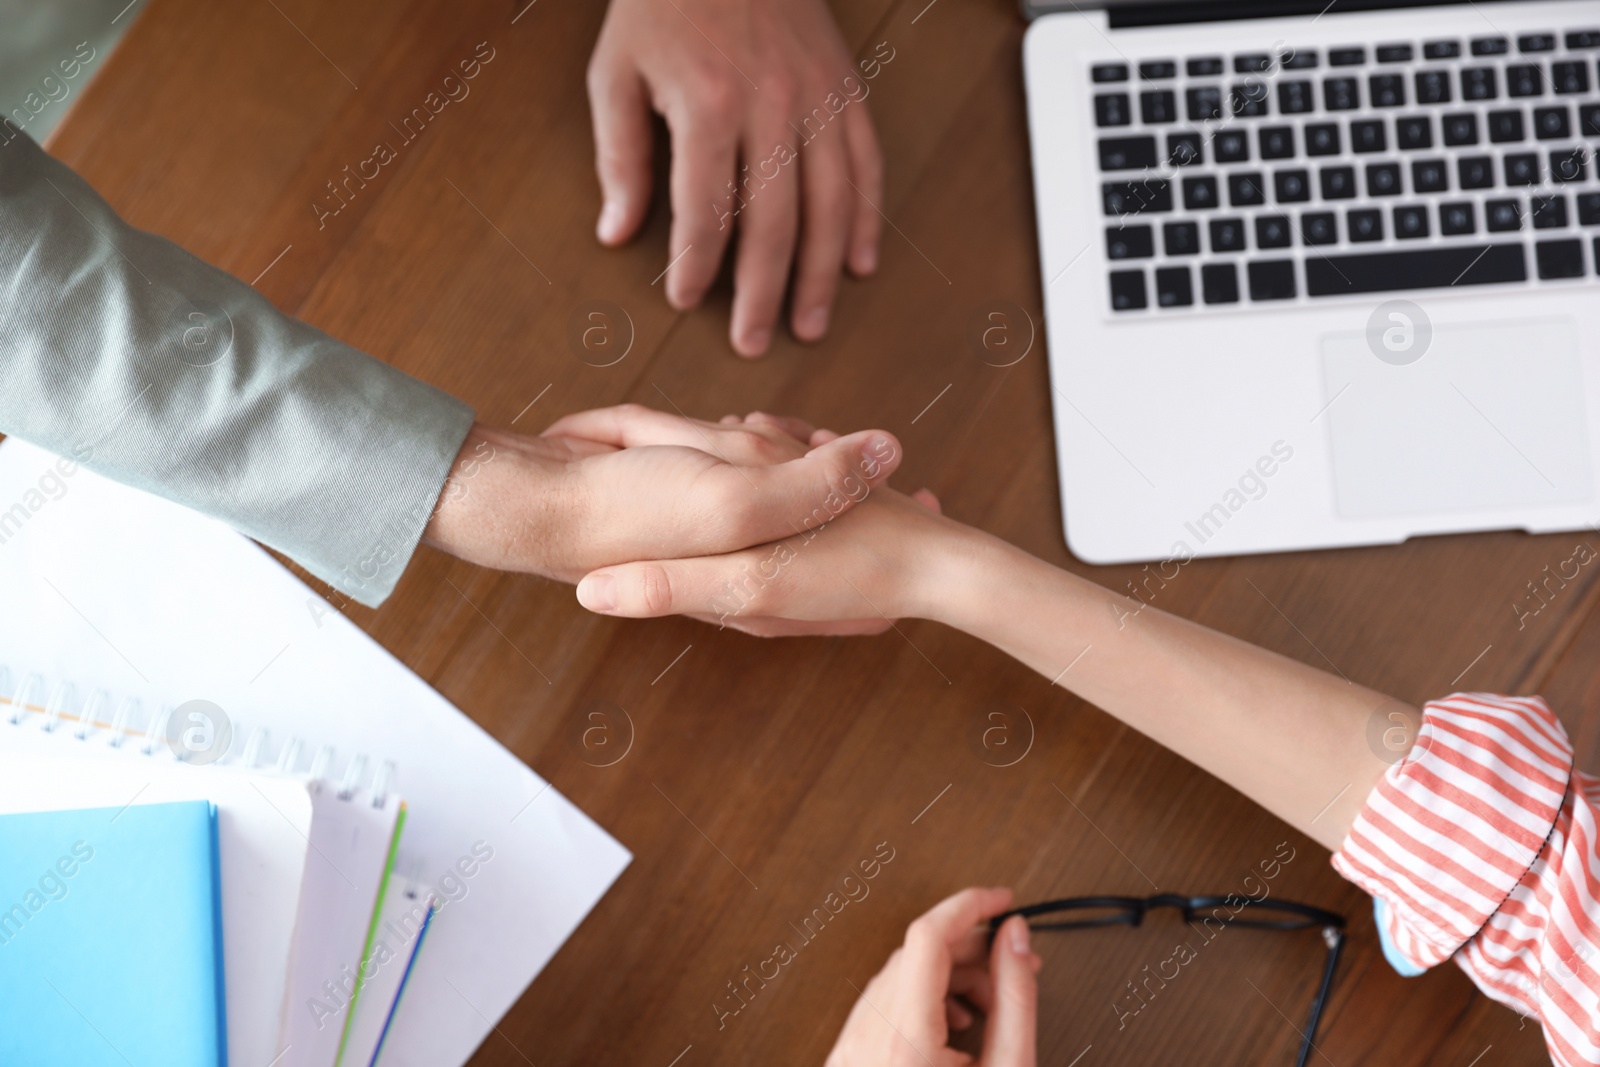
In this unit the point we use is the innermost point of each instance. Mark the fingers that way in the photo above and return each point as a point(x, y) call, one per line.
point(866, 168)
point(622, 146)
point(634, 425)
point(931, 941)
point(822, 437)
point(704, 149)
point(825, 230)
point(768, 224)
point(926, 498)
point(1011, 1038)
point(798, 428)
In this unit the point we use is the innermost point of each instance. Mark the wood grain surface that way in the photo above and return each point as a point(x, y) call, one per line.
point(760, 773)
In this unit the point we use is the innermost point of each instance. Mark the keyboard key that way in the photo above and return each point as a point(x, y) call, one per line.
point(1219, 283)
point(1322, 139)
point(1430, 176)
point(1272, 231)
point(1410, 223)
point(1460, 129)
point(1277, 142)
point(1253, 63)
point(1232, 146)
point(1549, 212)
point(1479, 83)
point(1319, 228)
point(1503, 216)
point(1441, 50)
point(1341, 94)
point(1559, 259)
point(1131, 198)
point(1581, 39)
point(1588, 207)
point(1395, 53)
point(1414, 132)
point(1433, 87)
point(1130, 242)
point(1570, 77)
point(1158, 69)
point(1184, 150)
point(1420, 268)
point(1537, 42)
point(1506, 127)
point(1127, 153)
point(1388, 90)
point(1128, 291)
point(1522, 168)
point(1475, 172)
point(1525, 79)
point(1204, 103)
point(1490, 46)
point(1248, 101)
point(1295, 97)
point(1291, 186)
point(1272, 280)
point(1457, 219)
point(1365, 224)
point(1200, 194)
point(1204, 67)
point(1552, 123)
point(1174, 287)
point(1181, 238)
point(1338, 183)
point(1109, 72)
point(1569, 165)
point(1246, 190)
point(1301, 59)
point(1111, 109)
point(1368, 135)
point(1383, 179)
point(1589, 120)
point(1227, 235)
point(1346, 57)
point(1158, 106)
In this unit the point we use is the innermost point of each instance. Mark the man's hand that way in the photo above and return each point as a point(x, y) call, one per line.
point(628, 483)
point(762, 101)
point(906, 1013)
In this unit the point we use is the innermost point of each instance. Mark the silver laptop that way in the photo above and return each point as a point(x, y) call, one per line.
point(1317, 277)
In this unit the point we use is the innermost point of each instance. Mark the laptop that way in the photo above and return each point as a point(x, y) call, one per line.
point(1318, 275)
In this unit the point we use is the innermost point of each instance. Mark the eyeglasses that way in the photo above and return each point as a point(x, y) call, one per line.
point(1233, 910)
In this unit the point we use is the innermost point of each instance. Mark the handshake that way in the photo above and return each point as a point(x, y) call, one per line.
point(730, 522)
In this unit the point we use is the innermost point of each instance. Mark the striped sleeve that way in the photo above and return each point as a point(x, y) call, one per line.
point(1480, 846)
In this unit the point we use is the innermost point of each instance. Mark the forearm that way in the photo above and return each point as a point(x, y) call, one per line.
point(127, 354)
point(1292, 738)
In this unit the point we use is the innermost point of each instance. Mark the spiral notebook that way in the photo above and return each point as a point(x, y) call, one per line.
point(118, 590)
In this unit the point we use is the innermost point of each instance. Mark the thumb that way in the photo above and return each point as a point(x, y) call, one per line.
point(1011, 1038)
point(623, 140)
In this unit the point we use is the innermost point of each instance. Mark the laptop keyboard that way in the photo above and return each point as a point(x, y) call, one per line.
point(1231, 180)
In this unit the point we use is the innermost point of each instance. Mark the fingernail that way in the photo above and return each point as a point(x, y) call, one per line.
point(1019, 938)
point(877, 451)
point(813, 323)
point(756, 341)
point(866, 260)
point(598, 592)
point(610, 225)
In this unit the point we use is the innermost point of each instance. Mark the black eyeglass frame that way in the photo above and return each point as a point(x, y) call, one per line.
point(1134, 910)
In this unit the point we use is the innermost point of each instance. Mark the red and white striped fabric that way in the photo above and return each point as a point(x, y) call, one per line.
point(1481, 846)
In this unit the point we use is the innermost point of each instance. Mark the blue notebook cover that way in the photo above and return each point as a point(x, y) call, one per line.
point(111, 938)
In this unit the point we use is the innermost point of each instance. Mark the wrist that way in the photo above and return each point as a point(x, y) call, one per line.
point(959, 565)
point(495, 508)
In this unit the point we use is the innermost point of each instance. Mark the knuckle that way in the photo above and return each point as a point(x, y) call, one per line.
point(655, 588)
point(719, 101)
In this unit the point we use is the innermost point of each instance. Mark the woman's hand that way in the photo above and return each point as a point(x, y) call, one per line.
point(628, 483)
point(905, 1015)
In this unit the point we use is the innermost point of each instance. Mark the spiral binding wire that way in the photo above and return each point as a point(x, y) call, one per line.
point(23, 703)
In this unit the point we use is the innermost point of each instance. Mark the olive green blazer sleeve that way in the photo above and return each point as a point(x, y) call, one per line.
point(126, 353)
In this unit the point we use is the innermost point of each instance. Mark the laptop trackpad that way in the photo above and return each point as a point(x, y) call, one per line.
point(1491, 416)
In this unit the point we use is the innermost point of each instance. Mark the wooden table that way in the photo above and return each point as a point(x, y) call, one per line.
point(759, 774)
